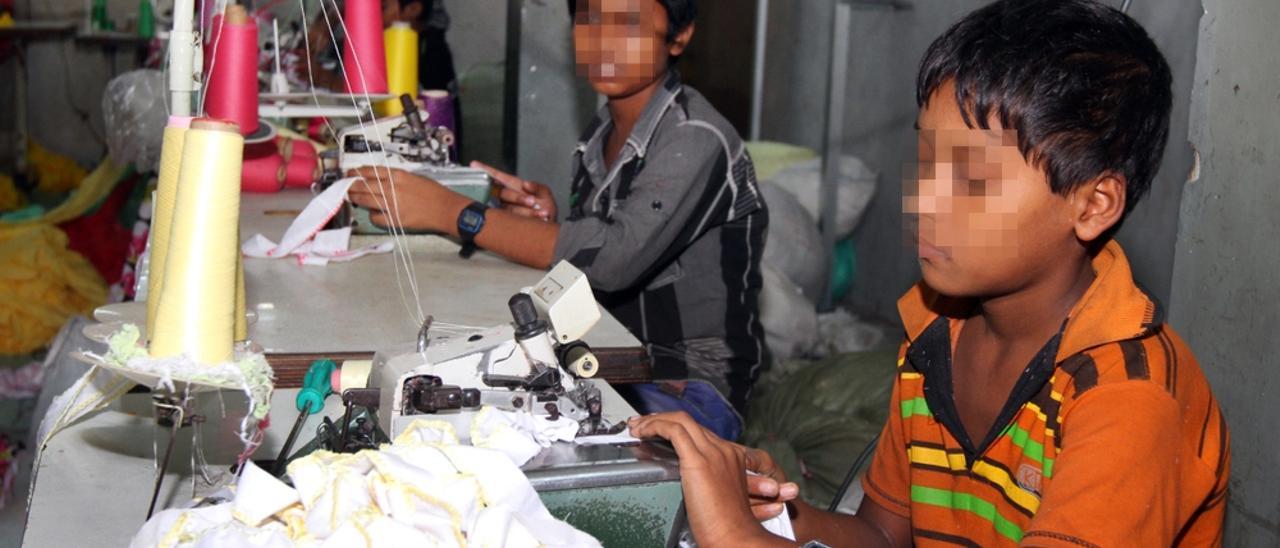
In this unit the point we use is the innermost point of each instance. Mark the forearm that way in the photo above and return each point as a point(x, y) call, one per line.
point(530, 242)
point(833, 529)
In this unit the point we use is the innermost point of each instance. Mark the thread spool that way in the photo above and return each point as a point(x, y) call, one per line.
point(240, 331)
point(262, 164)
point(233, 78)
point(439, 106)
point(401, 43)
point(162, 219)
point(289, 148)
point(363, 54)
point(198, 297)
point(300, 171)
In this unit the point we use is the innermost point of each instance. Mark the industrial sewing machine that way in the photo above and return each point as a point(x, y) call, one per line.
point(536, 364)
point(405, 142)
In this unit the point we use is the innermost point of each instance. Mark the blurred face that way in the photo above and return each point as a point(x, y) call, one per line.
point(983, 221)
point(621, 45)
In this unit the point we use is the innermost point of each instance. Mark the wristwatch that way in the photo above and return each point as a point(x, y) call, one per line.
point(470, 223)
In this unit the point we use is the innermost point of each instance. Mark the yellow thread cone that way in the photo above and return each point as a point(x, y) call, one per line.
point(401, 43)
point(242, 323)
point(198, 297)
point(162, 219)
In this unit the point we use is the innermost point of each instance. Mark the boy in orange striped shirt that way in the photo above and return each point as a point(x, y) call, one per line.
point(1040, 399)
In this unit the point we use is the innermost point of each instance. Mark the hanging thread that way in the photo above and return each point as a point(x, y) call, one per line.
point(198, 298)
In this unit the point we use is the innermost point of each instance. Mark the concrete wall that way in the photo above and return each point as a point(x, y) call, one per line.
point(1226, 302)
point(886, 47)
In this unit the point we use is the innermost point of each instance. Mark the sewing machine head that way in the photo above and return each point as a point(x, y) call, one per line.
point(406, 142)
point(536, 364)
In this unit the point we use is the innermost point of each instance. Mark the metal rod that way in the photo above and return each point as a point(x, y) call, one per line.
point(288, 443)
point(182, 55)
point(1125, 6)
point(168, 452)
point(834, 131)
point(757, 78)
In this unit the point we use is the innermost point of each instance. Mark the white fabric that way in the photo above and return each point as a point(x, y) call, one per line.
point(260, 495)
point(411, 493)
point(305, 239)
point(521, 436)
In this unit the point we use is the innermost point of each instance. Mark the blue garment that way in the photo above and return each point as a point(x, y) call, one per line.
point(699, 399)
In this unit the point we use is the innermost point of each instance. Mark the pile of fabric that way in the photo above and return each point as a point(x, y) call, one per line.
point(425, 489)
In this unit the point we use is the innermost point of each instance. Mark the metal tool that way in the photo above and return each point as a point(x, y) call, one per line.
point(175, 414)
point(316, 385)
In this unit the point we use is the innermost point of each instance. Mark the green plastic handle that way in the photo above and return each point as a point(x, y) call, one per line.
point(316, 386)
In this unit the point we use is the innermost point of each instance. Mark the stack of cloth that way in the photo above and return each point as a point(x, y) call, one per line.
point(425, 489)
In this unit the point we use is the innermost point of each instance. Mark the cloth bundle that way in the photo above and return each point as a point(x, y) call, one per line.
point(423, 490)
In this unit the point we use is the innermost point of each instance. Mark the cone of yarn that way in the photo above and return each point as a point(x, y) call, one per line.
point(401, 43)
point(301, 170)
point(162, 217)
point(240, 331)
point(262, 165)
point(233, 76)
point(198, 300)
point(364, 59)
point(439, 106)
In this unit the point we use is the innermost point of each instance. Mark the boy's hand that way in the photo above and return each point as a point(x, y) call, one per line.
point(524, 198)
point(405, 200)
point(713, 474)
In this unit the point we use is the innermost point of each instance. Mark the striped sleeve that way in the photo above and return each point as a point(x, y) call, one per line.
point(888, 482)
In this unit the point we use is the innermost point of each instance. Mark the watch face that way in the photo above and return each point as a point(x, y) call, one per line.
point(471, 221)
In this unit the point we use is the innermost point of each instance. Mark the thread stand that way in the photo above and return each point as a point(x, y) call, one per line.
point(174, 414)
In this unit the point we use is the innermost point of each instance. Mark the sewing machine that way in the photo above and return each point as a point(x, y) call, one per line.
point(404, 142)
point(537, 364)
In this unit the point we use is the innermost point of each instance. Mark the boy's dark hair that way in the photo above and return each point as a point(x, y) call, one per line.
point(680, 14)
point(1083, 85)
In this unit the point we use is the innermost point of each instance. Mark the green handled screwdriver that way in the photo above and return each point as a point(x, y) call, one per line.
point(316, 386)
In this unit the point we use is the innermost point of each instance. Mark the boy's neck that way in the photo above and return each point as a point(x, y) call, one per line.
point(626, 110)
point(1035, 313)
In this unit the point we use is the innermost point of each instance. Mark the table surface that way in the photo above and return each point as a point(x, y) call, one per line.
point(364, 305)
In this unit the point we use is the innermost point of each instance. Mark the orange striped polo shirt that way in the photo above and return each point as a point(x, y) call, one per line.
point(1111, 436)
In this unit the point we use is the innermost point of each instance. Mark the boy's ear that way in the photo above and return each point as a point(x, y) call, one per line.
point(681, 41)
point(1099, 206)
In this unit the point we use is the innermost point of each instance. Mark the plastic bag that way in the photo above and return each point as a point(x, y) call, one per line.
point(133, 108)
point(814, 418)
point(857, 185)
point(794, 245)
point(789, 319)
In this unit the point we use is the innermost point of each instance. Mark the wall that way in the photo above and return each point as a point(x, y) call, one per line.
point(554, 104)
point(886, 47)
point(1224, 274)
point(65, 80)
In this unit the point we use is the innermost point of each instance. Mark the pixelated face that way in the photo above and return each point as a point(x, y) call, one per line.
point(981, 219)
point(621, 45)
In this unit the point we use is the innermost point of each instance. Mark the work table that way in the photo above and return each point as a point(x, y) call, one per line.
point(93, 481)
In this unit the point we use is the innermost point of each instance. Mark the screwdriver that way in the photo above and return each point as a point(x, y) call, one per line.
point(316, 386)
